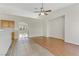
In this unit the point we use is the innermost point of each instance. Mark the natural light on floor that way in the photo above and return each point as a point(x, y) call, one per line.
point(23, 36)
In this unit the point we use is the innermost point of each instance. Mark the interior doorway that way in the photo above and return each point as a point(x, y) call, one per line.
point(23, 31)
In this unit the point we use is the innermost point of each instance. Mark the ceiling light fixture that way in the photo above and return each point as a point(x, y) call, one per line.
point(42, 11)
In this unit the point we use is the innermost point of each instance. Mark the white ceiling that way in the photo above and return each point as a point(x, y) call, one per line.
point(27, 9)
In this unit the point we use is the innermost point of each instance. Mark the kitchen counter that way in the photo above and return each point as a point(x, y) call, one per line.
point(5, 41)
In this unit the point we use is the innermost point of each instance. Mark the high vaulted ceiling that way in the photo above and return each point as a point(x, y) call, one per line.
point(27, 9)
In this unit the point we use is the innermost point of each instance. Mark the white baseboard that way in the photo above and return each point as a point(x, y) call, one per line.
point(36, 36)
point(48, 36)
point(56, 37)
point(72, 42)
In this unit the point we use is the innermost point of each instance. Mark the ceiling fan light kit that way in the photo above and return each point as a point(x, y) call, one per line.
point(41, 14)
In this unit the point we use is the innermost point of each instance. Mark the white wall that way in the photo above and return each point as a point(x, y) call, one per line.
point(56, 27)
point(35, 29)
point(44, 27)
point(73, 25)
point(71, 14)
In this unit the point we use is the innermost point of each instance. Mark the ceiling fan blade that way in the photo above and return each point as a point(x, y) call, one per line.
point(39, 14)
point(45, 13)
point(48, 11)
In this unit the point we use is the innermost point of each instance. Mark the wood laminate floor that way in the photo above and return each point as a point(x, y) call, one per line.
point(71, 49)
point(57, 46)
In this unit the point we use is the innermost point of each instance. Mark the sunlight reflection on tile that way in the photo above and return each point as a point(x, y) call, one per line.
point(28, 48)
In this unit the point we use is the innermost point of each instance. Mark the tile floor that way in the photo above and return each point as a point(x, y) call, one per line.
point(27, 48)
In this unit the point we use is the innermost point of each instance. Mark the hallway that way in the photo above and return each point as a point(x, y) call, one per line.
point(27, 48)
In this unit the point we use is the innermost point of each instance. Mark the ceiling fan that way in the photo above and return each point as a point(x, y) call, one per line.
point(42, 11)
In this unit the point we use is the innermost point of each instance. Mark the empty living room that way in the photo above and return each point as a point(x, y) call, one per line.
point(39, 29)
